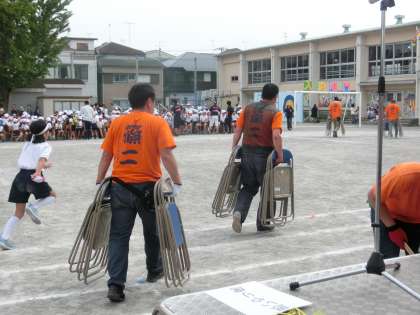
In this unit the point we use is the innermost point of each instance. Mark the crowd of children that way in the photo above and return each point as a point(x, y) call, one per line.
point(68, 125)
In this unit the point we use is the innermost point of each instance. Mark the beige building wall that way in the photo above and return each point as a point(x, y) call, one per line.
point(119, 91)
point(361, 41)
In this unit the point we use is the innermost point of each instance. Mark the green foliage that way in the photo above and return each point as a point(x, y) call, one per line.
point(29, 40)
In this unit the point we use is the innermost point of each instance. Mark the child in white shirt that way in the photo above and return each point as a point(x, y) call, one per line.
point(30, 180)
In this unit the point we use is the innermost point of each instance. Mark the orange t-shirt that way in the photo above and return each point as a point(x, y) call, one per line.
point(135, 141)
point(277, 122)
point(335, 109)
point(401, 192)
point(392, 112)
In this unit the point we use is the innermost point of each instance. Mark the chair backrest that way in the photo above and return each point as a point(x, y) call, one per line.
point(283, 181)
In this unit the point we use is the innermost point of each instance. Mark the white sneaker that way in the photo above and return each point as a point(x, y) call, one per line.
point(6, 244)
point(33, 213)
point(237, 223)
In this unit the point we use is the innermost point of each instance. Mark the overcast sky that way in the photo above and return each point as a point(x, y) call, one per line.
point(178, 26)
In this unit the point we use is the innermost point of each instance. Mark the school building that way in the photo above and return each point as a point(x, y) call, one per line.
point(347, 62)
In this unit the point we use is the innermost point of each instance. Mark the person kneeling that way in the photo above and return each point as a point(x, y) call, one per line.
point(400, 209)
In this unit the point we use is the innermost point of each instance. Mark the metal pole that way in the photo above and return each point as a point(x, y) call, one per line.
point(381, 91)
point(360, 104)
point(137, 69)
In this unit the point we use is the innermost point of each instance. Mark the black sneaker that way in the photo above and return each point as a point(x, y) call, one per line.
point(153, 277)
point(115, 293)
point(261, 228)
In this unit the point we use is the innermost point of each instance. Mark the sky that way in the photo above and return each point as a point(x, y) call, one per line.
point(205, 26)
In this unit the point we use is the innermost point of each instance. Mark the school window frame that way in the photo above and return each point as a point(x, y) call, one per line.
point(400, 59)
point(294, 68)
point(337, 64)
point(259, 71)
point(120, 77)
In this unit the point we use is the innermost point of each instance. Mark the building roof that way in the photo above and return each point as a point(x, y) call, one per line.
point(333, 36)
point(63, 81)
point(229, 51)
point(205, 62)
point(159, 55)
point(130, 63)
point(40, 83)
point(79, 38)
point(116, 49)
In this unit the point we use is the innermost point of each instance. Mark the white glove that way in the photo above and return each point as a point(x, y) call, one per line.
point(38, 179)
point(176, 189)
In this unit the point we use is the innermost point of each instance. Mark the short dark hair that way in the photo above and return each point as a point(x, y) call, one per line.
point(336, 98)
point(270, 91)
point(86, 102)
point(35, 128)
point(139, 94)
point(229, 103)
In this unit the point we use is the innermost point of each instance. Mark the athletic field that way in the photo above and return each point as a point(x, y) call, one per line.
point(331, 229)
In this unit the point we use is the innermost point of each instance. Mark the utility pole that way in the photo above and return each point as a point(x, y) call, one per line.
point(129, 24)
point(195, 81)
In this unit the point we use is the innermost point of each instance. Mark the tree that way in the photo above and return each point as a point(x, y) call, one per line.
point(30, 40)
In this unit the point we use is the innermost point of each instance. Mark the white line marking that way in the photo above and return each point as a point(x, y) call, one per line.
point(314, 216)
point(195, 249)
point(199, 275)
point(283, 261)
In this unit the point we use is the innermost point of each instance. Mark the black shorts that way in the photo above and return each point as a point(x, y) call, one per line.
point(23, 187)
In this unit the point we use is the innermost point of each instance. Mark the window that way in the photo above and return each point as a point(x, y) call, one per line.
point(124, 104)
point(294, 68)
point(234, 78)
point(81, 72)
point(154, 79)
point(120, 78)
point(338, 64)
point(60, 106)
point(400, 58)
point(259, 71)
point(131, 76)
point(207, 77)
point(82, 46)
point(63, 72)
point(144, 78)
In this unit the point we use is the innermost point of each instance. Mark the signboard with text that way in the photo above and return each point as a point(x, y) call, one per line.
point(254, 298)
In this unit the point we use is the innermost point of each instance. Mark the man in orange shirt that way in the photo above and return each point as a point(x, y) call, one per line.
point(260, 124)
point(400, 209)
point(335, 111)
point(392, 112)
point(136, 143)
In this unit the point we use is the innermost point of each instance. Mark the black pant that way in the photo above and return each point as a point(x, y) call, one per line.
point(388, 248)
point(253, 166)
point(228, 124)
point(87, 129)
point(125, 206)
point(289, 123)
